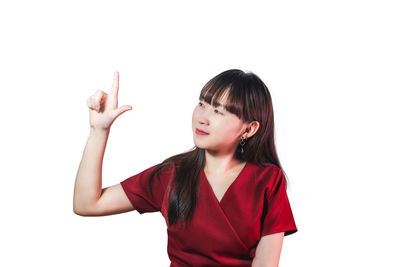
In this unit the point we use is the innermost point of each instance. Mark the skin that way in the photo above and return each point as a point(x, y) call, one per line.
point(268, 251)
point(225, 131)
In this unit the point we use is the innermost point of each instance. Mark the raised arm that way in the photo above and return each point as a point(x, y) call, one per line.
point(89, 197)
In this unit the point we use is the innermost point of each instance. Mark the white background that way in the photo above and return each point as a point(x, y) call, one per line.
point(332, 68)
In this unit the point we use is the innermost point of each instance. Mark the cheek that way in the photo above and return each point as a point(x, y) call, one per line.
point(195, 118)
point(229, 134)
point(230, 130)
point(223, 130)
point(194, 115)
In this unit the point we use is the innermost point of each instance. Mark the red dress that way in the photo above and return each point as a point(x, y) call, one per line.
point(224, 233)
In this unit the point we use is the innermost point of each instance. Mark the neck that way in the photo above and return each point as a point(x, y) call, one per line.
point(221, 165)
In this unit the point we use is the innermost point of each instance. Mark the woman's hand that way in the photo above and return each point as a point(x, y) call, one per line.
point(104, 107)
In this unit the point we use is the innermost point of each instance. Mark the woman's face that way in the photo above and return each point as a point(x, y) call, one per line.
point(224, 128)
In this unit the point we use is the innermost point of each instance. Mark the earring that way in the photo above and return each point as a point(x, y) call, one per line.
point(242, 142)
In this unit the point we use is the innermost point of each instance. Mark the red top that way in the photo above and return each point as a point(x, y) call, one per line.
point(220, 233)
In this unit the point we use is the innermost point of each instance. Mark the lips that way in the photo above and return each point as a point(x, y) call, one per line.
point(200, 131)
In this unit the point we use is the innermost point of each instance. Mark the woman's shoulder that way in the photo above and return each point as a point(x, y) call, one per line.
point(264, 175)
point(264, 166)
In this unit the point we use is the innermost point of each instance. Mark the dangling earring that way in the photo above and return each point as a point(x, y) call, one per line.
point(242, 142)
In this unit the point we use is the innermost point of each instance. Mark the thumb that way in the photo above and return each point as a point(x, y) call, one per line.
point(122, 109)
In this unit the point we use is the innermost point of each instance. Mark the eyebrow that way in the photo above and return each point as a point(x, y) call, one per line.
point(216, 104)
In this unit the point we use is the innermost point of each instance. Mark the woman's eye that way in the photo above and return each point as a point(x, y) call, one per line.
point(217, 111)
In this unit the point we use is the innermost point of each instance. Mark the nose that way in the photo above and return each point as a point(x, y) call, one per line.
point(203, 115)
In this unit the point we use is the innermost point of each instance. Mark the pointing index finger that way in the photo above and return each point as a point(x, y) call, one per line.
point(115, 85)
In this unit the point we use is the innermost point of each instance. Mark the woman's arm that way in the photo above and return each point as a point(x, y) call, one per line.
point(268, 251)
point(88, 186)
point(103, 110)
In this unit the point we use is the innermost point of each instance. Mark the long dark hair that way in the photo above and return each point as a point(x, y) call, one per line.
point(249, 99)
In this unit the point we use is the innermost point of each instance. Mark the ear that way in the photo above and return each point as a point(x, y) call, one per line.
point(252, 128)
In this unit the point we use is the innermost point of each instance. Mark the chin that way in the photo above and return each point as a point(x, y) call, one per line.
point(198, 144)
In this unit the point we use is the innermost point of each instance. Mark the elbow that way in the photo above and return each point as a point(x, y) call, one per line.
point(75, 208)
point(79, 211)
point(84, 211)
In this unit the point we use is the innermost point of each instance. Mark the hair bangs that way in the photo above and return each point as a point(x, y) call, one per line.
point(222, 90)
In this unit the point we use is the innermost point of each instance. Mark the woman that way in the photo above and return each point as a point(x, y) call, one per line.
point(224, 201)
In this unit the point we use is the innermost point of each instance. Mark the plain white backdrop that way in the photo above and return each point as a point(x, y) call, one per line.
point(332, 68)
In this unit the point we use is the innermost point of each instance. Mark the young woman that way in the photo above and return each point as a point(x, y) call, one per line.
point(224, 201)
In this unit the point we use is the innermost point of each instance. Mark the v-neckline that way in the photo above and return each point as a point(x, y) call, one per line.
point(229, 187)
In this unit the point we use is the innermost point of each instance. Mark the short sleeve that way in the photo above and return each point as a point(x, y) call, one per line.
point(137, 190)
point(278, 216)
